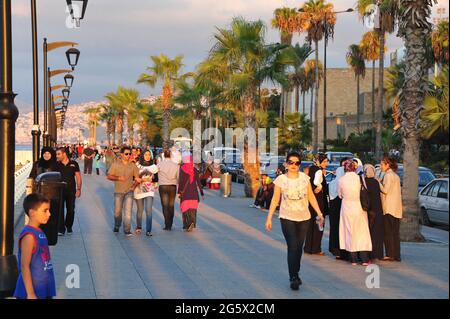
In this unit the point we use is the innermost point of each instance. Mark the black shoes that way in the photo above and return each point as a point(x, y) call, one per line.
point(295, 283)
point(116, 229)
point(167, 228)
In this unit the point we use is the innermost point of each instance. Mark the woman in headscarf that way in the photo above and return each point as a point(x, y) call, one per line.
point(188, 188)
point(320, 188)
point(335, 213)
point(354, 234)
point(376, 224)
point(215, 174)
point(145, 191)
point(46, 163)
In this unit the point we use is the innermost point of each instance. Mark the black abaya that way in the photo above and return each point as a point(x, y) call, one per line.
point(375, 214)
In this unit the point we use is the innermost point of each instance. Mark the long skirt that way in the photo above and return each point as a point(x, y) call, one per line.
point(189, 217)
point(376, 226)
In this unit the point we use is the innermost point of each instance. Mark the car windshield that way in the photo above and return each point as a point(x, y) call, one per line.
point(425, 177)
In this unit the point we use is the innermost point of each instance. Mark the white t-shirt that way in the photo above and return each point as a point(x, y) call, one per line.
point(294, 197)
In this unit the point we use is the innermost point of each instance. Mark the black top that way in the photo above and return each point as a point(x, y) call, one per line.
point(189, 190)
point(68, 174)
point(373, 188)
point(88, 151)
point(322, 196)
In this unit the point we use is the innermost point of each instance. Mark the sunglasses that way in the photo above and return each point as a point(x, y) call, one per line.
point(293, 163)
point(126, 154)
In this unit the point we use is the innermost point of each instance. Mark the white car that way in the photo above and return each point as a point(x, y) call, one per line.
point(433, 200)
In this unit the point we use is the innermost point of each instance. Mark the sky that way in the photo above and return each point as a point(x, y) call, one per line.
point(117, 38)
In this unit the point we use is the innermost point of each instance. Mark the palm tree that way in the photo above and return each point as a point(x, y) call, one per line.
point(107, 115)
point(150, 122)
point(440, 43)
point(434, 116)
point(119, 114)
point(129, 99)
point(388, 15)
point(288, 22)
point(320, 19)
point(298, 77)
point(395, 79)
point(370, 46)
point(355, 59)
point(250, 62)
point(310, 69)
point(93, 119)
point(167, 71)
point(415, 29)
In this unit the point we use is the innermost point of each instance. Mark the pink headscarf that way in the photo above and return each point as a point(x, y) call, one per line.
point(188, 167)
point(349, 166)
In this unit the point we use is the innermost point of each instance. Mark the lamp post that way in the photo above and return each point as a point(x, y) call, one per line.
point(8, 117)
point(35, 132)
point(78, 14)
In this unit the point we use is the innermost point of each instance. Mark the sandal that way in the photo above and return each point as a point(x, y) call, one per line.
point(138, 231)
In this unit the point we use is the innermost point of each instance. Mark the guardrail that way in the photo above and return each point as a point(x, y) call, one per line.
point(20, 181)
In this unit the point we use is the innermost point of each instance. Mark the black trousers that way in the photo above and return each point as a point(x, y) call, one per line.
point(167, 194)
point(360, 256)
point(294, 234)
point(51, 228)
point(66, 222)
point(189, 217)
point(88, 166)
point(98, 171)
point(313, 243)
point(335, 215)
point(392, 236)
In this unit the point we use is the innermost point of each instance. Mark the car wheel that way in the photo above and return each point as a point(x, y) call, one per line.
point(424, 219)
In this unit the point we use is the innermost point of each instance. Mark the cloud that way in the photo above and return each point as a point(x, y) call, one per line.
point(20, 9)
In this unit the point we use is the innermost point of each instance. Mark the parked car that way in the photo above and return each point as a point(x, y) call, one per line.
point(425, 175)
point(335, 157)
point(433, 200)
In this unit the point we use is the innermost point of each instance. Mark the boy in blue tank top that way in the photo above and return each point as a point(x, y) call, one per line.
point(36, 278)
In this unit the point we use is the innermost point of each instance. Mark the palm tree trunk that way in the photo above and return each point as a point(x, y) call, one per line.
point(252, 169)
point(297, 99)
point(379, 113)
point(311, 106)
point(113, 132)
point(120, 129)
point(304, 102)
point(166, 99)
point(316, 103)
point(411, 102)
point(358, 120)
point(373, 91)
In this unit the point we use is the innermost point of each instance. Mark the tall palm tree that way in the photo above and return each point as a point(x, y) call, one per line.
point(370, 46)
point(388, 16)
point(129, 99)
point(167, 71)
point(150, 122)
point(288, 22)
point(311, 76)
point(251, 62)
point(434, 116)
point(298, 76)
point(355, 59)
point(415, 29)
point(321, 19)
point(119, 114)
point(93, 119)
point(107, 115)
point(393, 84)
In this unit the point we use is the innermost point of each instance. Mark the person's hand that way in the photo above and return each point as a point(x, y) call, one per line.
point(268, 224)
point(321, 220)
point(32, 296)
point(139, 180)
point(78, 193)
point(317, 190)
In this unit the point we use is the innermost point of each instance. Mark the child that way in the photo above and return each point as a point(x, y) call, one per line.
point(36, 278)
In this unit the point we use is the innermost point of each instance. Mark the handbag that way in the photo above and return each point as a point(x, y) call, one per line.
point(364, 196)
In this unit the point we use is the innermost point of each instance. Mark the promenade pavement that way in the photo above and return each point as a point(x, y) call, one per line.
point(229, 255)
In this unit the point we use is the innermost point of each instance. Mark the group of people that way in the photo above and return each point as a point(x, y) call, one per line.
point(364, 211)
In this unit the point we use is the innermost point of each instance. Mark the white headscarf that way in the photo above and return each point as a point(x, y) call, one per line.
point(332, 187)
point(360, 168)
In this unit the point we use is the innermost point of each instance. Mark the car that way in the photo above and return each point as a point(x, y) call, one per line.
point(433, 201)
point(425, 175)
point(336, 157)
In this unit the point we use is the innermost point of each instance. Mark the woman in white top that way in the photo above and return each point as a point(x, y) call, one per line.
point(296, 192)
point(354, 234)
point(391, 199)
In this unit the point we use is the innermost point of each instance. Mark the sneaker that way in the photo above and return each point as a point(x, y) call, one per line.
point(128, 234)
point(116, 229)
point(70, 232)
point(252, 206)
point(295, 283)
point(148, 234)
point(257, 206)
point(60, 234)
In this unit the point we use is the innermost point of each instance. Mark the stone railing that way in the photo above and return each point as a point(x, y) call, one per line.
point(20, 182)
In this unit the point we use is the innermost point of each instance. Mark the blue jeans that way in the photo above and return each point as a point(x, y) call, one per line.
point(147, 204)
point(121, 200)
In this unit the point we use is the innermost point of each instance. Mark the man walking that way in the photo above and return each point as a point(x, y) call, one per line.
point(70, 173)
point(168, 180)
point(123, 173)
point(89, 154)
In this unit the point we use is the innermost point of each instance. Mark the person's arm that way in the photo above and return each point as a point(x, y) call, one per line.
point(318, 179)
point(199, 184)
point(313, 202)
point(273, 206)
point(78, 180)
point(27, 245)
point(386, 184)
point(111, 175)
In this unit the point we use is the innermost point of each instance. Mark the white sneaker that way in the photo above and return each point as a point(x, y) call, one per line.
point(257, 206)
point(60, 234)
point(252, 206)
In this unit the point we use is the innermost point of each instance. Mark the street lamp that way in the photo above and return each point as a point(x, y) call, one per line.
point(65, 102)
point(77, 14)
point(68, 79)
point(73, 55)
point(66, 93)
point(8, 116)
point(325, 73)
